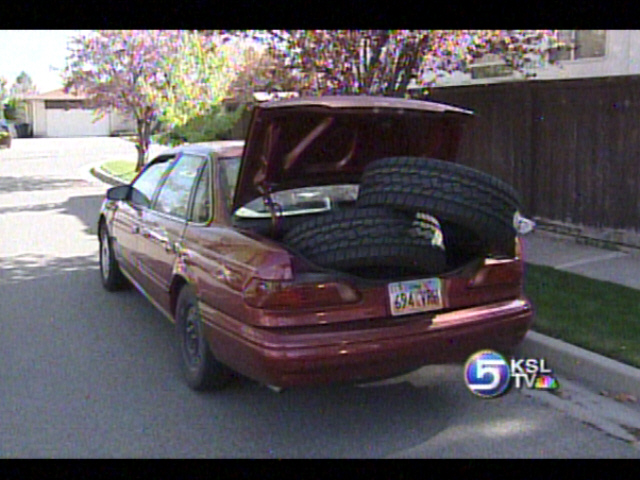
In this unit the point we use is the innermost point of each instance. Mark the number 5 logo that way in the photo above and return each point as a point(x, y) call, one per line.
point(491, 367)
point(487, 374)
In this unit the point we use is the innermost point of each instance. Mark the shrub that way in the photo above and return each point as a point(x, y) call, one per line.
point(216, 124)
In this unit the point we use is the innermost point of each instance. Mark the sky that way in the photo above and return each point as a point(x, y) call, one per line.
point(35, 52)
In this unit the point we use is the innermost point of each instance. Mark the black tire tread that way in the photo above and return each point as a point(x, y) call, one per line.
point(425, 168)
point(367, 237)
point(450, 192)
point(116, 281)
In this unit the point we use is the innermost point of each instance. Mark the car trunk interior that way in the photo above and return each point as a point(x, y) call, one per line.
point(318, 149)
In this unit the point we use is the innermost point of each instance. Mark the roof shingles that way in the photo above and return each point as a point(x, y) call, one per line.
point(56, 95)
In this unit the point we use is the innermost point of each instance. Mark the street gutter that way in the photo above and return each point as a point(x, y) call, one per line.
point(601, 373)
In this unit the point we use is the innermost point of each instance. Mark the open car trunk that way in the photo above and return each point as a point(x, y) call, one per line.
point(368, 187)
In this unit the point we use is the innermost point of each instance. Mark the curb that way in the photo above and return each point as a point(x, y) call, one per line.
point(105, 177)
point(602, 373)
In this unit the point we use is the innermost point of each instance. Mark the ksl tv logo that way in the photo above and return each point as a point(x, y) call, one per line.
point(488, 374)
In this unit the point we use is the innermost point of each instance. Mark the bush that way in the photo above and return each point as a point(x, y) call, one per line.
point(216, 124)
point(9, 111)
point(11, 108)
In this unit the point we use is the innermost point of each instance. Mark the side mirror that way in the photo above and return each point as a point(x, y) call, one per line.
point(121, 192)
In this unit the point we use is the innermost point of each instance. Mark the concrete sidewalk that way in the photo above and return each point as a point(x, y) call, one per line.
point(621, 267)
point(564, 253)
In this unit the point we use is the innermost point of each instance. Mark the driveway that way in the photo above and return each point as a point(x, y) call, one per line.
point(48, 198)
point(94, 148)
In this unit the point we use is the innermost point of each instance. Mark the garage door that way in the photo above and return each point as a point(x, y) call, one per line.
point(75, 123)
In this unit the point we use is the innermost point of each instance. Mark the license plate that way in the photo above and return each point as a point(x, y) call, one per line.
point(415, 296)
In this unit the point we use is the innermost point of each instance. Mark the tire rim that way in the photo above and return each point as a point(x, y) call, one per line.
point(104, 254)
point(192, 344)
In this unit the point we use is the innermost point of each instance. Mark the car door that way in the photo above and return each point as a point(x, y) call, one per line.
point(205, 242)
point(127, 218)
point(163, 225)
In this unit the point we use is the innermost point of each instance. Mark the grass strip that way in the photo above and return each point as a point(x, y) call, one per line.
point(125, 170)
point(603, 317)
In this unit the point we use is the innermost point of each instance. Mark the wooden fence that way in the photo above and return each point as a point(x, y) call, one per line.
point(572, 147)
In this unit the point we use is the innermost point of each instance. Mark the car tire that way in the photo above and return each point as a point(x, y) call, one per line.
point(452, 193)
point(201, 369)
point(110, 273)
point(370, 242)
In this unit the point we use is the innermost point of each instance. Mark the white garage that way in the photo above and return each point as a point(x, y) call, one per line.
point(59, 114)
point(75, 123)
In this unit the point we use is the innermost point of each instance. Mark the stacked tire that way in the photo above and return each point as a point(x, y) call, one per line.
point(476, 210)
point(413, 216)
point(373, 242)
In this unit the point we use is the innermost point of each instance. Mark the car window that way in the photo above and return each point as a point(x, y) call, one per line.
point(229, 170)
point(202, 207)
point(173, 198)
point(145, 185)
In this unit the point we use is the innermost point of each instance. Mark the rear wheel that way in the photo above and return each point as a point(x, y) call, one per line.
point(201, 369)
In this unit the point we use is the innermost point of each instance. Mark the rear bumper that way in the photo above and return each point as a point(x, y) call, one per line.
point(289, 359)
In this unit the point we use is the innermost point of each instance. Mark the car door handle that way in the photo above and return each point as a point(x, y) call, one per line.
point(163, 240)
point(154, 235)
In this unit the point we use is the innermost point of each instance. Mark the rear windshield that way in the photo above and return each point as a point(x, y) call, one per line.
point(298, 201)
point(301, 201)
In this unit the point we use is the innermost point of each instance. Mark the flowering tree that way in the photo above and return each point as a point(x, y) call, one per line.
point(206, 70)
point(199, 73)
point(152, 75)
point(213, 71)
point(117, 68)
point(387, 62)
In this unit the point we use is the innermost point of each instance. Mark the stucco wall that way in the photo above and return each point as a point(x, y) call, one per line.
point(40, 119)
point(622, 57)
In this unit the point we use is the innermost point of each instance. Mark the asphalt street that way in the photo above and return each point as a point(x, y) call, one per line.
point(90, 374)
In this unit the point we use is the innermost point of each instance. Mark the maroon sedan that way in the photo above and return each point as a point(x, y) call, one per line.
point(315, 252)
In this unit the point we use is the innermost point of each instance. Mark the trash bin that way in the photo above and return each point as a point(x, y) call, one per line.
point(23, 130)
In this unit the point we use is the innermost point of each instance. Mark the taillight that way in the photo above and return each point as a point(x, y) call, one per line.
point(499, 272)
point(278, 295)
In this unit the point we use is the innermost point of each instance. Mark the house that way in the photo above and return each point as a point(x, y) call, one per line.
point(593, 53)
point(60, 114)
point(568, 138)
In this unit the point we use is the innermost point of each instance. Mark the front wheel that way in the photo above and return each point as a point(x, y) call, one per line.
point(201, 369)
point(110, 274)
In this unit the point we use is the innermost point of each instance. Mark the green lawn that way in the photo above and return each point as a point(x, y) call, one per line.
point(600, 316)
point(123, 169)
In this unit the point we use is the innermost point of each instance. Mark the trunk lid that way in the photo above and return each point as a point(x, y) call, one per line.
point(306, 142)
